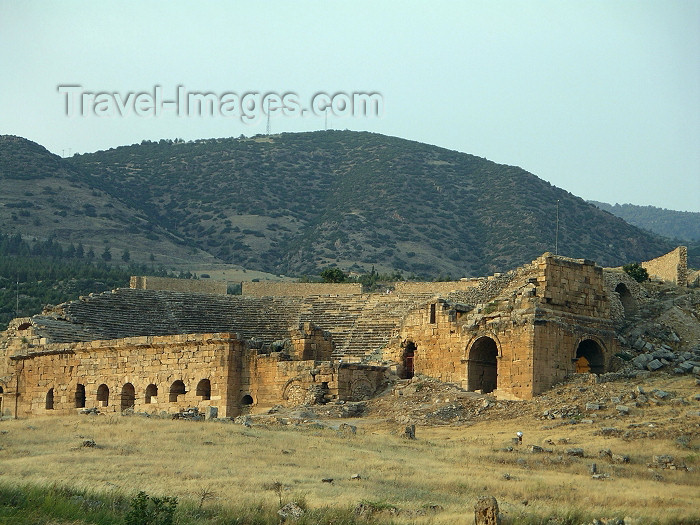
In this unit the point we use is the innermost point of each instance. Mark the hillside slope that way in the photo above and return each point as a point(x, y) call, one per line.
point(44, 196)
point(294, 203)
point(682, 225)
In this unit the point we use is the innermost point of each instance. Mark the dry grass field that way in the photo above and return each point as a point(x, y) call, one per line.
point(433, 479)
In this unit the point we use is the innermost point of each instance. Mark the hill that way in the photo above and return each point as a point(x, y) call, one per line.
point(681, 225)
point(295, 203)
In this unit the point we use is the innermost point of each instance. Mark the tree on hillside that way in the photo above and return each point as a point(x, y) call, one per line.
point(107, 254)
point(126, 256)
point(333, 275)
point(637, 272)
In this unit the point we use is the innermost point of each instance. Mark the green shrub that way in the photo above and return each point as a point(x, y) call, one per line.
point(637, 272)
point(146, 510)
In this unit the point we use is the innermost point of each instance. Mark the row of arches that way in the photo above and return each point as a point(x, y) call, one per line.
point(127, 397)
point(482, 362)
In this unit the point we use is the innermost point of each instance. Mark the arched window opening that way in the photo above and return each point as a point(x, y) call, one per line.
point(589, 358)
point(204, 389)
point(247, 400)
point(128, 396)
point(482, 366)
point(24, 326)
point(103, 395)
point(49, 399)
point(407, 360)
point(629, 305)
point(80, 396)
point(176, 389)
point(151, 393)
point(1, 390)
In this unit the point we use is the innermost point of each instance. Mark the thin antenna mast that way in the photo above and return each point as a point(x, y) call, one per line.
point(556, 236)
point(268, 116)
point(325, 127)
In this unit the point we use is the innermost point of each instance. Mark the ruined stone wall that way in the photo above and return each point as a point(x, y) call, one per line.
point(177, 285)
point(279, 289)
point(519, 341)
point(631, 293)
point(311, 343)
point(138, 361)
point(672, 267)
point(556, 341)
point(270, 381)
point(575, 286)
point(443, 348)
point(443, 288)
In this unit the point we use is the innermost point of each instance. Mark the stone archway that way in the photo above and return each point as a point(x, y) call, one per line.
point(629, 305)
point(482, 365)
point(128, 398)
point(589, 357)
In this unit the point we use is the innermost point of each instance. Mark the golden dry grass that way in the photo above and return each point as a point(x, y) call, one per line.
point(445, 466)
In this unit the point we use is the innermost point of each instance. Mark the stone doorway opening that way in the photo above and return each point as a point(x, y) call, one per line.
point(204, 389)
point(49, 399)
point(128, 396)
point(589, 358)
point(176, 389)
point(151, 394)
point(482, 365)
point(628, 303)
point(80, 396)
point(103, 395)
point(407, 360)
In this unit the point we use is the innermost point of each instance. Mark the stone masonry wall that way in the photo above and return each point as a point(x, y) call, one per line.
point(138, 361)
point(672, 267)
point(409, 287)
point(278, 289)
point(177, 285)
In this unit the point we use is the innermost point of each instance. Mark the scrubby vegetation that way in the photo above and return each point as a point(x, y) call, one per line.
point(295, 203)
point(681, 225)
point(34, 274)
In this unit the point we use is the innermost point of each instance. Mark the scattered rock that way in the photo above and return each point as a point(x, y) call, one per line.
point(291, 511)
point(620, 458)
point(410, 432)
point(89, 443)
point(623, 409)
point(654, 364)
point(576, 452)
point(355, 477)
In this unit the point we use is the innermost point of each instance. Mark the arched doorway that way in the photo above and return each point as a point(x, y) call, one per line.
point(204, 389)
point(49, 399)
point(128, 396)
point(247, 400)
point(176, 389)
point(589, 357)
point(628, 303)
point(151, 394)
point(103, 395)
point(482, 365)
point(407, 358)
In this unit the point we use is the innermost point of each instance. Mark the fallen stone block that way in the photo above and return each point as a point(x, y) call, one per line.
point(654, 365)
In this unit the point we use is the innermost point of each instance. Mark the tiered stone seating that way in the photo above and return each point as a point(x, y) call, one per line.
point(359, 324)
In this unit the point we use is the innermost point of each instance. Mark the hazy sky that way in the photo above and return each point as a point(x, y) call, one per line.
point(601, 98)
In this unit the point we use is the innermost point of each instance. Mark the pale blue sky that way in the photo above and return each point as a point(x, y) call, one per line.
point(600, 98)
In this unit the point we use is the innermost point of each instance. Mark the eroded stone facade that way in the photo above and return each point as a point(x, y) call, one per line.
point(514, 334)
